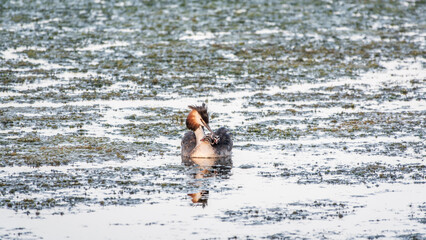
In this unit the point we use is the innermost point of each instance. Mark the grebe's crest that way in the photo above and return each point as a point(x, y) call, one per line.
point(197, 116)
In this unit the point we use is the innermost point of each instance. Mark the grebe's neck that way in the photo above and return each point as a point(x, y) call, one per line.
point(199, 134)
point(202, 149)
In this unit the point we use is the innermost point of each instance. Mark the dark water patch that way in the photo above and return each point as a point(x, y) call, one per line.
point(19, 233)
point(418, 213)
point(264, 131)
point(294, 211)
point(412, 236)
point(38, 118)
point(402, 149)
point(149, 123)
point(372, 173)
point(56, 136)
point(91, 186)
point(34, 150)
point(361, 124)
point(281, 235)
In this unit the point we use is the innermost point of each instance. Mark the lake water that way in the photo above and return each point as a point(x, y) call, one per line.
point(325, 100)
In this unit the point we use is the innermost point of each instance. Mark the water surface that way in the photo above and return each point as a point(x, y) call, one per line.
point(325, 100)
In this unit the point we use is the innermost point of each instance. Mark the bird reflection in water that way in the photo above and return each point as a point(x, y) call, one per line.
point(218, 168)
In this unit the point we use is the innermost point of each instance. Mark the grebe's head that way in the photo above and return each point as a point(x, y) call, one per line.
point(198, 117)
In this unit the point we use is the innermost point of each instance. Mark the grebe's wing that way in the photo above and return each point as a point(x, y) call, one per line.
point(188, 143)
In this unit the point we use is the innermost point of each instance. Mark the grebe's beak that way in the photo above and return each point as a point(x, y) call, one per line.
point(206, 125)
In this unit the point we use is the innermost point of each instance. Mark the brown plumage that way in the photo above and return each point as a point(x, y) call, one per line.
point(192, 122)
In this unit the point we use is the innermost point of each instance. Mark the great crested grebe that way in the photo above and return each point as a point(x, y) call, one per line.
point(196, 144)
